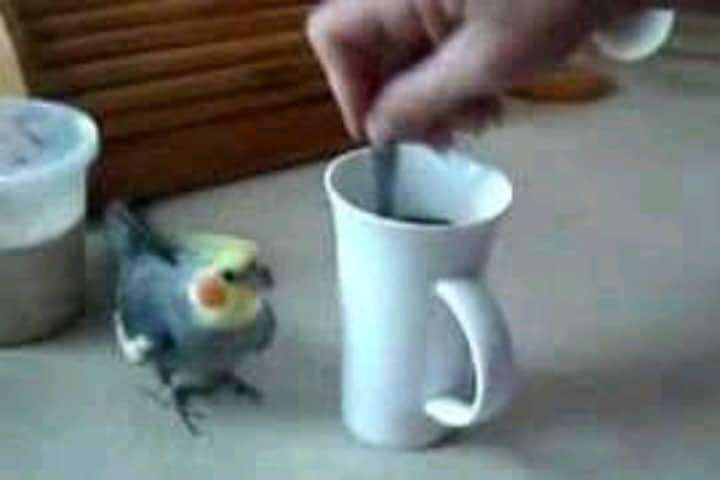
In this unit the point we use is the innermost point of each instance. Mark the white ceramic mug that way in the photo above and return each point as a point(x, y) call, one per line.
point(425, 346)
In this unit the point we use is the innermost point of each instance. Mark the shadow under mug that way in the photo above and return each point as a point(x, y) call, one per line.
point(425, 346)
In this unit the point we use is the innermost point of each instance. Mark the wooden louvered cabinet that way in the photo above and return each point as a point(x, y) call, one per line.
point(187, 92)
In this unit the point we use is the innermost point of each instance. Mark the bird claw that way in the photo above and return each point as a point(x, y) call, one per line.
point(178, 400)
point(181, 396)
point(240, 387)
point(181, 403)
point(244, 389)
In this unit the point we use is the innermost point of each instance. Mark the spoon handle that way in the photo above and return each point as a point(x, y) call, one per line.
point(385, 172)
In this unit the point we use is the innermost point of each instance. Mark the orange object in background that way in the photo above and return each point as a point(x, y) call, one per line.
point(565, 83)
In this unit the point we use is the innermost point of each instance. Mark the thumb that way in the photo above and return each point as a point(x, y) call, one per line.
point(473, 64)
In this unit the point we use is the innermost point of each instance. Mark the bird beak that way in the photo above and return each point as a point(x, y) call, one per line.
point(261, 278)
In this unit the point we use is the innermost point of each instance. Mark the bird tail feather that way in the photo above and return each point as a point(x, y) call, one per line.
point(131, 236)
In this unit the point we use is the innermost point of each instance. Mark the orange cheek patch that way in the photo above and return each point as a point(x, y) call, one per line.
point(211, 293)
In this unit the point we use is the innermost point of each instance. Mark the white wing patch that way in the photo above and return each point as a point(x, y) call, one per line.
point(135, 350)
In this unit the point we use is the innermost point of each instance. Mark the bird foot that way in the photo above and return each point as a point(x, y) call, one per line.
point(244, 389)
point(241, 388)
point(181, 396)
point(178, 398)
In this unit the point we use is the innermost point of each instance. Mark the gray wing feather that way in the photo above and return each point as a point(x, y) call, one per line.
point(147, 297)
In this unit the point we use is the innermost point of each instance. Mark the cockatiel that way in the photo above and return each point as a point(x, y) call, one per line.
point(189, 306)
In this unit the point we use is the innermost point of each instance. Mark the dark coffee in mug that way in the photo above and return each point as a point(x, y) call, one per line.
point(437, 222)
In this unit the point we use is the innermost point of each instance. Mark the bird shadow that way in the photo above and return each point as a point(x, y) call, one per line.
point(299, 378)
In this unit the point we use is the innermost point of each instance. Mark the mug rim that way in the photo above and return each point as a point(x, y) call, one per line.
point(351, 155)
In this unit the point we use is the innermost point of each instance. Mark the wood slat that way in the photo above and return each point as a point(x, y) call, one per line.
point(131, 15)
point(144, 122)
point(274, 73)
point(172, 35)
point(217, 152)
point(30, 8)
point(165, 63)
point(177, 115)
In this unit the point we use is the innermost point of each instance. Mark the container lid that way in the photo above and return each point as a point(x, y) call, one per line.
point(40, 138)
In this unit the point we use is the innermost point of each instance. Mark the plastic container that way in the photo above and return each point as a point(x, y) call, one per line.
point(45, 151)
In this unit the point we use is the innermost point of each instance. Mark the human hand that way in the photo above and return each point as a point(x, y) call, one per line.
point(416, 69)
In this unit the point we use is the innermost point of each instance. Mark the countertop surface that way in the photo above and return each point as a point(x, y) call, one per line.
point(608, 270)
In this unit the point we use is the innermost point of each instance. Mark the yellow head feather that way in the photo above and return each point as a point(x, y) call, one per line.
point(221, 250)
point(217, 253)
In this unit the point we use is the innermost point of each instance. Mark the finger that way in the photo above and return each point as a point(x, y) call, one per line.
point(334, 31)
point(439, 17)
point(360, 44)
point(473, 64)
point(484, 112)
point(474, 117)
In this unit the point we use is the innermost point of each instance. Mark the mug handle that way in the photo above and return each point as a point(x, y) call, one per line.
point(483, 325)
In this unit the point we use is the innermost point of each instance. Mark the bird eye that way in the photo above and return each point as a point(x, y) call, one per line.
point(230, 276)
